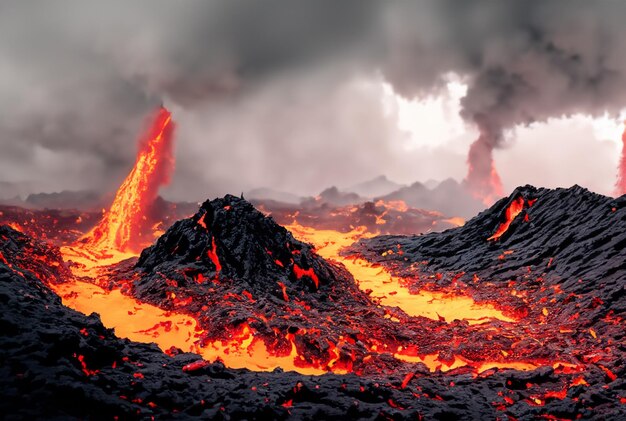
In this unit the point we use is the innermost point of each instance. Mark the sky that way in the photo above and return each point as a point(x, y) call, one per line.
point(298, 96)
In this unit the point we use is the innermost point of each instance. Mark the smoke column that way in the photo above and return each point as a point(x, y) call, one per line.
point(482, 178)
point(621, 176)
point(524, 61)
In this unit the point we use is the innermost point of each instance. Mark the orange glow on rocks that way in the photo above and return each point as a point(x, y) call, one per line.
point(514, 209)
point(213, 256)
point(245, 343)
point(299, 272)
point(123, 226)
point(388, 289)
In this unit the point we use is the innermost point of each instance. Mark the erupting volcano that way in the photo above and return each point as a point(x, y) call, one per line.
point(124, 225)
point(318, 254)
point(516, 314)
point(482, 177)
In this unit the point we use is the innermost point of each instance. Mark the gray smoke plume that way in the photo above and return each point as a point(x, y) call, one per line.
point(524, 61)
point(78, 78)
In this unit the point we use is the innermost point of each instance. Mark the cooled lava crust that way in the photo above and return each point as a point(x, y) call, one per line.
point(230, 266)
point(55, 362)
point(561, 261)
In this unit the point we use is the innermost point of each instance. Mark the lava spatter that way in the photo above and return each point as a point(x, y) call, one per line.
point(123, 226)
point(512, 211)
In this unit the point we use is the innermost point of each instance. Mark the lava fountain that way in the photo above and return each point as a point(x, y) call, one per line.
point(122, 227)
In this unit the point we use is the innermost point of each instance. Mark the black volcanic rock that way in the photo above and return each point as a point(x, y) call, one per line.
point(23, 254)
point(229, 264)
point(570, 238)
point(574, 238)
point(229, 239)
point(56, 363)
point(561, 262)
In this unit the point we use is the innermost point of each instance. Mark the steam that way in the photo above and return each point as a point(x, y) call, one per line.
point(524, 61)
point(621, 177)
point(78, 79)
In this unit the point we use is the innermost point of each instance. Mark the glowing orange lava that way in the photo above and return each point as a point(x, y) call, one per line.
point(388, 289)
point(514, 209)
point(122, 227)
point(119, 236)
point(141, 322)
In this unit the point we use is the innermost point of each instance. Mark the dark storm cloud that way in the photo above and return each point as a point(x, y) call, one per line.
point(524, 61)
point(78, 78)
point(196, 50)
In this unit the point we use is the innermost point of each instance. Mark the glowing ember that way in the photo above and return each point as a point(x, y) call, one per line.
point(621, 177)
point(122, 227)
point(514, 209)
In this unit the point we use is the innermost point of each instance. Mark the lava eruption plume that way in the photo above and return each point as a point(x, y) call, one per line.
point(621, 176)
point(122, 226)
point(482, 177)
point(515, 208)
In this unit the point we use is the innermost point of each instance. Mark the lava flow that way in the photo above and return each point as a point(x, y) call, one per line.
point(514, 209)
point(183, 325)
point(438, 311)
point(237, 289)
point(120, 235)
point(179, 289)
point(123, 226)
point(389, 290)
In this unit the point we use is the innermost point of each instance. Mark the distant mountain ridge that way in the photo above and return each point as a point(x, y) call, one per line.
point(448, 197)
point(375, 187)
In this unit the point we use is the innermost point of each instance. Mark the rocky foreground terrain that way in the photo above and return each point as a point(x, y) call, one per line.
point(557, 266)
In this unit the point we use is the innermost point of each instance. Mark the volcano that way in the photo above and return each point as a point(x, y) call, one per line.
point(517, 314)
point(269, 326)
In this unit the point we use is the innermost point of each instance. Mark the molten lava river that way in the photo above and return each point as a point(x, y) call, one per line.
point(144, 322)
point(117, 240)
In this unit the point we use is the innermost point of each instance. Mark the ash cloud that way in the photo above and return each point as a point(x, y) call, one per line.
point(524, 61)
point(265, 92)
